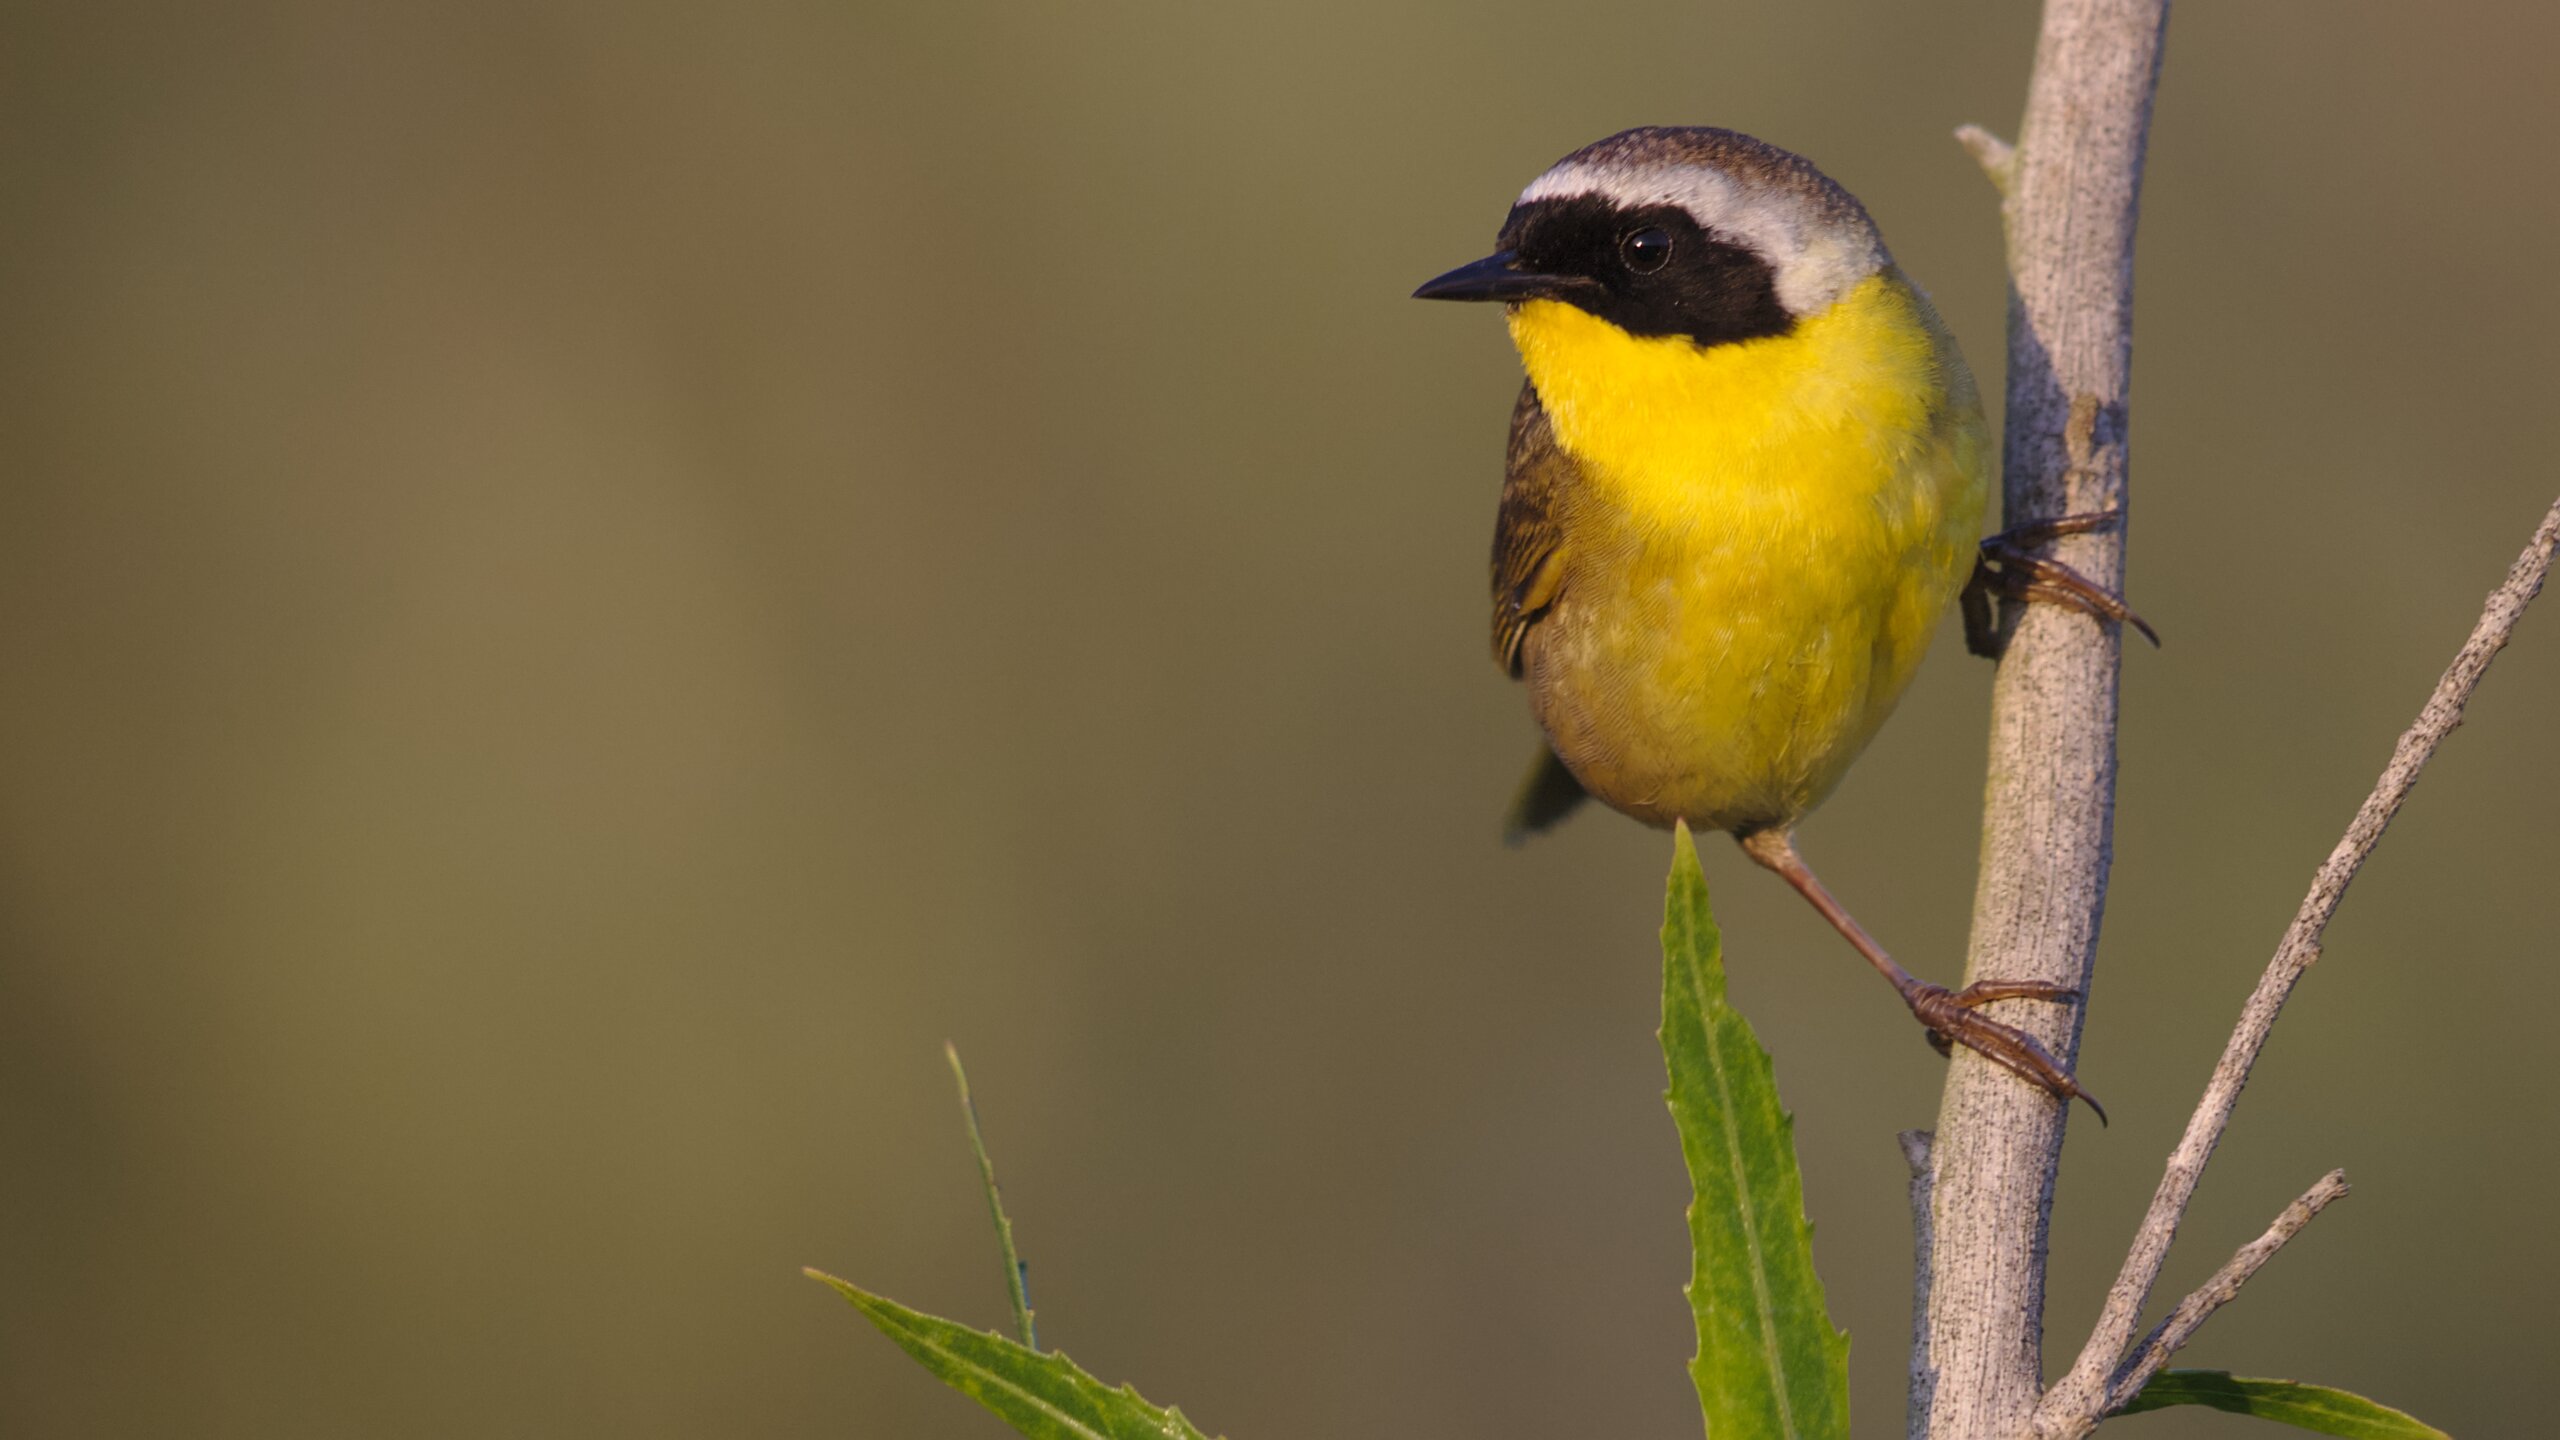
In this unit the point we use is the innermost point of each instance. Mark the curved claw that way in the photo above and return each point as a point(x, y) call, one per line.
point(1952, 1021)
point(2008, 568)
point(1983, 992)
point(2032, 577)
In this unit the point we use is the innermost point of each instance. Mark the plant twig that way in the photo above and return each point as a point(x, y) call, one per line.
point(2083, 1389)
point(1017, 1276)
point(2171, 1334)
point(1915, 1153)
point(2075, 180)
point(1997, 157)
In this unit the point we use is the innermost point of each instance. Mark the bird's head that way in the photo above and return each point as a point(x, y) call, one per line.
point(1687, 231)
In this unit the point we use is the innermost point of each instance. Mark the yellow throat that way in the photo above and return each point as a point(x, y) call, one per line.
point(1830, 411)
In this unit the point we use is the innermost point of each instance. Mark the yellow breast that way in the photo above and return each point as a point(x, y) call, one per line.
point(1762, 540)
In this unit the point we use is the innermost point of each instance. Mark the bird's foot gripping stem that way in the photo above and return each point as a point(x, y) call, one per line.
point(2008, 569)
point(1953, 1020)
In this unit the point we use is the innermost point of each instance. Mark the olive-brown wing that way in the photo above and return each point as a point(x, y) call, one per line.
point(1528, 536)
point(1529, 555)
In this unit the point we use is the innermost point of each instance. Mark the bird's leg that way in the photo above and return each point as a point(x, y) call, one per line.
point(1949, 1015)
point(2005, 568)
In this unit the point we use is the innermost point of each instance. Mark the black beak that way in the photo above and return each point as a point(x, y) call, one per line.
point(1497, 277)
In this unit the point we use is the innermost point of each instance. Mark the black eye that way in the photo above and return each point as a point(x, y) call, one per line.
point(1645, 251)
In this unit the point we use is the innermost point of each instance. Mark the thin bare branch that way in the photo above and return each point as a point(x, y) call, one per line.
point(2172, 1334)
point(1915, 1153)
point(2083, 1390)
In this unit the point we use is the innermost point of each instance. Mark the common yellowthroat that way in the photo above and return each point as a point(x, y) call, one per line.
point(1746, 479)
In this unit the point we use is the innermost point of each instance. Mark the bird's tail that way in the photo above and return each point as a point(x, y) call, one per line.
point(1549, 794)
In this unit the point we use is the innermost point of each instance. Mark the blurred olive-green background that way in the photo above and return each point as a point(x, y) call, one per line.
point(582, 584)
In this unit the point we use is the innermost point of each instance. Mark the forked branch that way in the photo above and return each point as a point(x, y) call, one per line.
point(2088, 1391)
point(2169, 1335)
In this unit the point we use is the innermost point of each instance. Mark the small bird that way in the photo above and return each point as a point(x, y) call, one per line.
point(1746, 479)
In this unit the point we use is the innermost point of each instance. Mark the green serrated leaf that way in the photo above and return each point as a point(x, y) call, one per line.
point(2316, 1408)
point(1040, 1393)
point(1769, 1364)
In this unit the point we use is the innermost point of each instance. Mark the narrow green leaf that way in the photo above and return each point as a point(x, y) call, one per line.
point(2316, 1408)
point(1770, 1366)
point(1017, 1276)
point(1040, 1393)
